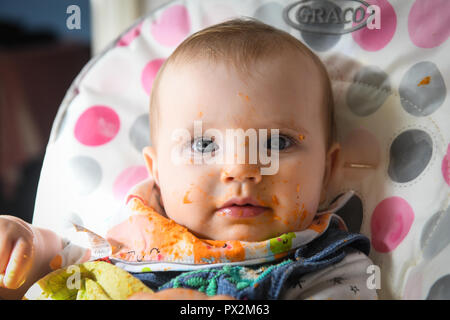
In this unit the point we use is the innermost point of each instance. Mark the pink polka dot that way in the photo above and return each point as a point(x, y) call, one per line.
point(446, 166)
point(172, 27)
point(149, 74)
point(128, 37)
point(429, 22)
point(127, 179)
point(391, 221)
point(377, 39)
point(97, 125)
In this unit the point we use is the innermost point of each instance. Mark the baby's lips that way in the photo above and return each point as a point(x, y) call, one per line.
point(243, 211)
point(240, 202)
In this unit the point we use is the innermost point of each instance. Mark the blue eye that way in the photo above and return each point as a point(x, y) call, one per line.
point(276, 142)
point(203, 145)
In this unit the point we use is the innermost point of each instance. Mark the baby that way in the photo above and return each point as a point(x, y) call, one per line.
point(231, 223)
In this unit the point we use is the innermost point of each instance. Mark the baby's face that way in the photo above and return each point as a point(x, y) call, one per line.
point(286, 94)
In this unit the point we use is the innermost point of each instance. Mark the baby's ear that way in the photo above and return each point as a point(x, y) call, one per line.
point(330, 167)
point(151, 163)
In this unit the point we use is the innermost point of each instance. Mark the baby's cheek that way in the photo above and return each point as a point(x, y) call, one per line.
point(296, 206)
point(298, 215)
point(196, 198)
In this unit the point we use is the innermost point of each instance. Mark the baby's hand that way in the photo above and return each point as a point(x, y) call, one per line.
point(16, 251)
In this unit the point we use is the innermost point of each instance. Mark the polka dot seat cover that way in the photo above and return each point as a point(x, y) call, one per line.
point(392, 112)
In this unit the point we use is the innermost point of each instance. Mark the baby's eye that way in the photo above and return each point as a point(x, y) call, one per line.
point(204, 145)
point(276, 142)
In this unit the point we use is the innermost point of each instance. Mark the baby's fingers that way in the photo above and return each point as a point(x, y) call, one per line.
point(19, 264)
point(5, 253)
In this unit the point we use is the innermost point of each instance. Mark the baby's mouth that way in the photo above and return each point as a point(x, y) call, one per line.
point(241, 208)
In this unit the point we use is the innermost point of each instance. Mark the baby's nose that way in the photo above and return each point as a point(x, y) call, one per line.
point(241, 173)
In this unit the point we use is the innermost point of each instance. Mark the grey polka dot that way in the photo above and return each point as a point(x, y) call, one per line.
point(271, 13)
point(436, 237)
point(422, 89)
point(440, 290)
point(409, 155)
point(369, 90)
point(352, 213)
point(85, 174)
point(140, 132)
point(322, 41)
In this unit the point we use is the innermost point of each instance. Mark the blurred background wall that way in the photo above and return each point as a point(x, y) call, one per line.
point(40, 56)
point(111, 17)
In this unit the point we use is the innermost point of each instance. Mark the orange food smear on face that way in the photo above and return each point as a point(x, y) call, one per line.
point(298, 188)
point(261, 202)
point(303, 216)
point(286, 222)
point(301, 137)
point(424, 81)
point(242, 96)
point(275, 200)
point(185, 199)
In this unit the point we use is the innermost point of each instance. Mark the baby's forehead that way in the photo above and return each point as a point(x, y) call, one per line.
point(248, 69)
point(276, 90)
point(294, 67)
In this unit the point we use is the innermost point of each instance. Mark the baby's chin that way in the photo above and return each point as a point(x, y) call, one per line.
point(240, 233)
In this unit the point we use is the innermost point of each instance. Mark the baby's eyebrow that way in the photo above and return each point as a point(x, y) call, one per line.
point(297, 129)
point(284, 126)
point(205, 125)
